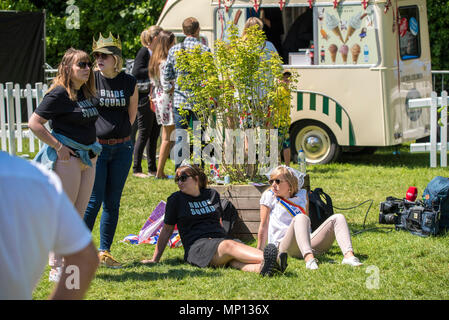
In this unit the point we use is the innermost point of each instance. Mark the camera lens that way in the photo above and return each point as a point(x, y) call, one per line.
point(390, 218)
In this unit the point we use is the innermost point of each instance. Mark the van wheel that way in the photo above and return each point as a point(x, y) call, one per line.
point(317, 141)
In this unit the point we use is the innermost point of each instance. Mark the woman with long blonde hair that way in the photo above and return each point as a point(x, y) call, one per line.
point(285, 222)
point(71, 149)
point(163, 95)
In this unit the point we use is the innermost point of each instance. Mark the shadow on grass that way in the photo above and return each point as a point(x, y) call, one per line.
point(386, 158)
point(174, 274)
point(128, 271)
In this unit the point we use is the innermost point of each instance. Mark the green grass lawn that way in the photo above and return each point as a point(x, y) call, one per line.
point(406, 266)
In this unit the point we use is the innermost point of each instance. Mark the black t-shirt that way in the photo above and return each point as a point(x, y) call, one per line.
point(196, 217)
point(114, 95)
point(73, 119)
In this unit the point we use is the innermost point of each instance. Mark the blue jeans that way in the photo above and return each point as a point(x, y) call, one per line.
point(112, 169)
point(179, 126)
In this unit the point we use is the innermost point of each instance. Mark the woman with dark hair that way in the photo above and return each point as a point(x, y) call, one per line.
point(196, 210)
point(71, 147)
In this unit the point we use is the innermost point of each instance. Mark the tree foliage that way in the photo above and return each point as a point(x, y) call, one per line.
point(128, 19)
point(437, 15)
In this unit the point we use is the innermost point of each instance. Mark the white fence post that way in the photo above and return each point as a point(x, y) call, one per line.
point(443, 135)
point(18, 123)
point(433, 129)
point(434, 102)
point(39, 97)
point(28, 93)
point(2, 117)
point(11, 118)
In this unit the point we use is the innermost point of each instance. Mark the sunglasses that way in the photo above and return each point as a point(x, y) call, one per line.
point(182, 178)
point(277, 181)
point(103, 56)
point(83, 64)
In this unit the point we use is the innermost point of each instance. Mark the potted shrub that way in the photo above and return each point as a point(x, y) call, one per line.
point(236, 93)
point(236, 89)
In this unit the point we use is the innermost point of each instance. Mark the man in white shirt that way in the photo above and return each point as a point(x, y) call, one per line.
point(37, 217)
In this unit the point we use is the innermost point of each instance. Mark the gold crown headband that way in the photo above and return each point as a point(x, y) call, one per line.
point(106, 42)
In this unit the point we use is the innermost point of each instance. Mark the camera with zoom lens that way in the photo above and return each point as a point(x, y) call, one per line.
point(391, 210)
point(411, 216)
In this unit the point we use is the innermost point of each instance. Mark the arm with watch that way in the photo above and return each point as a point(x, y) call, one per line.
point(36, 125)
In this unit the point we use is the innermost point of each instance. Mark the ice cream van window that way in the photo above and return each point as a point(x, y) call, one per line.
point(344, 36)
point(409, 37)
point(180, 38)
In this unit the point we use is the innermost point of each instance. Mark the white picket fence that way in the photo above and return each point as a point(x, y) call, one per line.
point(12, 128)
point(434, 103)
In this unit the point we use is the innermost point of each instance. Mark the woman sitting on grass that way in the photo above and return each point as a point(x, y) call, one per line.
point(196, 210)
point(284, 222)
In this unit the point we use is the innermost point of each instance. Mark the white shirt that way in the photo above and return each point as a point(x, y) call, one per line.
point(280, 218)
point(36, 217)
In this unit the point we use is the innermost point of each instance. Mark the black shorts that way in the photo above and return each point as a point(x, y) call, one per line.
point(202, 251)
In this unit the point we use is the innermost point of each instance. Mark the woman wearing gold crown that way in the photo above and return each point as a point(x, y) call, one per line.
point(118, 97)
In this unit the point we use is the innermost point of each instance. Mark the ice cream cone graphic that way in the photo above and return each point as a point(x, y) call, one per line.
point(355, 51)
point(333, 51)
point(332, 23)
point(349, 34)
point(344, 52)
point(337, 32)
point(354, 23)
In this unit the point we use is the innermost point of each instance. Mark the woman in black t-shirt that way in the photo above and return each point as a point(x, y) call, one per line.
point(147, 125)
point(196, 210)
point(70, 104)
point(117, 95)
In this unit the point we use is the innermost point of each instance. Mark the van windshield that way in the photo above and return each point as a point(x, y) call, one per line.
point(345, 35)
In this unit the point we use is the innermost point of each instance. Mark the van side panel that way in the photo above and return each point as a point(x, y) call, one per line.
point(175, 11)
point(412, 80)
point(358, 106)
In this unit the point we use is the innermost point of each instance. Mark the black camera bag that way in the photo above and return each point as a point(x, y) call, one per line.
point(229, 216)
point(320, 207)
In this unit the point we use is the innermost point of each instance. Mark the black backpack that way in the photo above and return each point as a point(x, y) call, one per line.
point(320, 207)
point(230, 215)
point(436, 195)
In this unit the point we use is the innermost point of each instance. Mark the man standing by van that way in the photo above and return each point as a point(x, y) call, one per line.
point(191, 29)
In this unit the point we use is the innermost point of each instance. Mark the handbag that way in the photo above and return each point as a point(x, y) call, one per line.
point(152, 105)
point(150, 98)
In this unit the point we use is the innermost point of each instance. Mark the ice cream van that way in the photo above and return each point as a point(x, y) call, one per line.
point(358, 62)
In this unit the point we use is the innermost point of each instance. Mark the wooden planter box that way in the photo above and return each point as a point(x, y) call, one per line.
point(246, 200)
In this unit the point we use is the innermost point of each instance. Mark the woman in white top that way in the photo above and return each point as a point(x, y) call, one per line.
point(284, 222)
point(162, 95)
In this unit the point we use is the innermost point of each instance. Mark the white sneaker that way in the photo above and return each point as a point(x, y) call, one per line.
point(312, 264)
point(55, 274)
point(352, 261)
